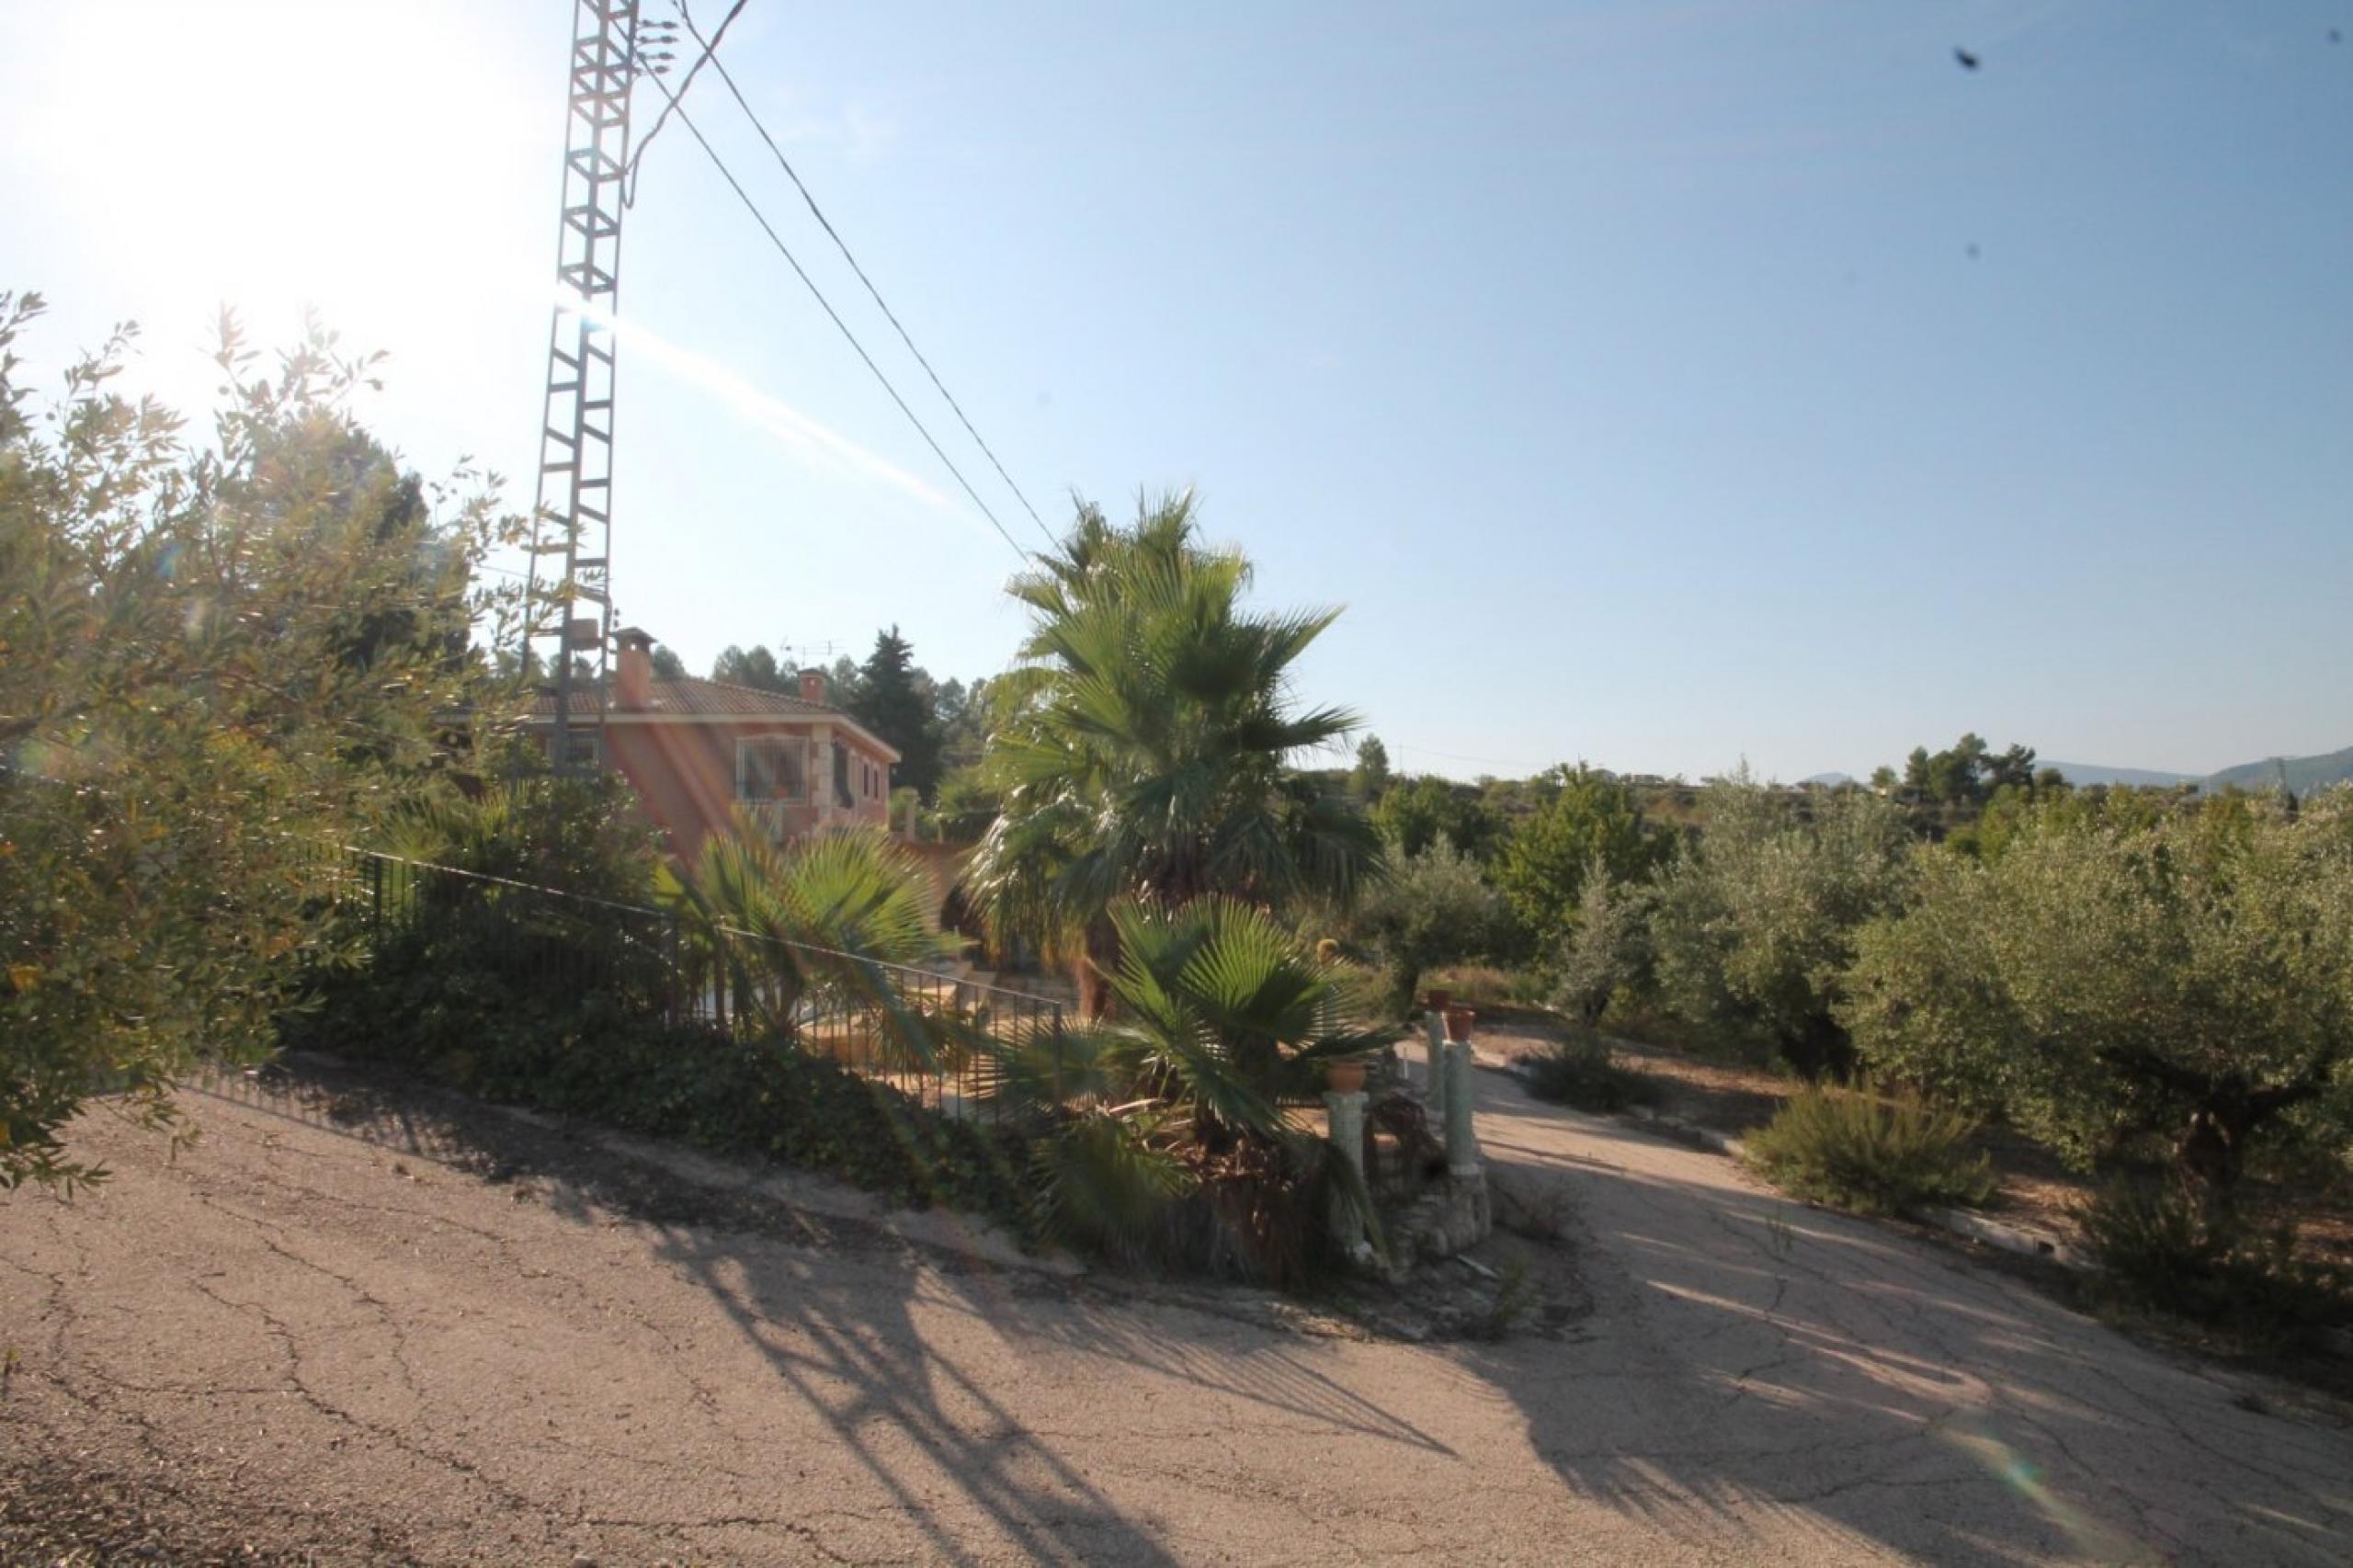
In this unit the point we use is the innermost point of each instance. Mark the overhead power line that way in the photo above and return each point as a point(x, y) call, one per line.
point(636, 157)
point(709, 54)
point(835, 316)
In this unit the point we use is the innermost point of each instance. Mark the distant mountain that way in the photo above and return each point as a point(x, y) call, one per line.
point(2082, 773)
point(2303, 773)
point(1829, 781)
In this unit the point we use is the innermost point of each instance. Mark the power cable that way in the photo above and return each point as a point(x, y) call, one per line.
point(629, 188)
point(843, 246)
point(819, 295)
point(709, 55)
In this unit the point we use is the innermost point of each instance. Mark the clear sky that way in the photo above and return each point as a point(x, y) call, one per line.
point(1658, 384)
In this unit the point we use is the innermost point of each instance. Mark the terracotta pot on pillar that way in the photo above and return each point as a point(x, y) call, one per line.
point(1438, 1001)
point(1458, 1024)
point(1343, 1074)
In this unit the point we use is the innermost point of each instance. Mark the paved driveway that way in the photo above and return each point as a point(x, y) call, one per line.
point(397, 1345)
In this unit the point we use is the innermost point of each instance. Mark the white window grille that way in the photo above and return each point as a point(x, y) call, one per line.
point(772, 767)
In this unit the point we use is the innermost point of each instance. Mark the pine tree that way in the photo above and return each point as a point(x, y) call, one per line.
point(890, 700)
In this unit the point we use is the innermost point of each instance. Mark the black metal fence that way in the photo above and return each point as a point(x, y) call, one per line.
point(943, 1038)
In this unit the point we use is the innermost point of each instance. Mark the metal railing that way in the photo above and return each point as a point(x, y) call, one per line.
point(937, 1035)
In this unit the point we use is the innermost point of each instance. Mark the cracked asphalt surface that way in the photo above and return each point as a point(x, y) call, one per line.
point(365, 1342)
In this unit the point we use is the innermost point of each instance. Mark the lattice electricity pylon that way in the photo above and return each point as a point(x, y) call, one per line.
point(571, 516)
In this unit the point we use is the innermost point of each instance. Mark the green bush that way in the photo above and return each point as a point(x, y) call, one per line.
point(2161, 1250)
point(490, 1031)
point(1582, 1074)
point(1872, 1153)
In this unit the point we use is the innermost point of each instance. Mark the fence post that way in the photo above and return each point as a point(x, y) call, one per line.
point(674, 985)
point(376, 905)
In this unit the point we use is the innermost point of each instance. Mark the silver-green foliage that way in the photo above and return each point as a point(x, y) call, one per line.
point(1754, 926)
point(211, 653)
point(1854, 1148)
point(1433, 908)
point(2114, 988)
point(1607, 949)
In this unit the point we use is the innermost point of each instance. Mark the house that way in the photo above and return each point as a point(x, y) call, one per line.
point(696, 750)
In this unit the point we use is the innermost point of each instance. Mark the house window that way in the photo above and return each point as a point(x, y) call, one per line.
point(841, 776)
point(582, 749)
point(772, 767)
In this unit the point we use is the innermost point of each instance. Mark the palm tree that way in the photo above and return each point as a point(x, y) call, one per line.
point(839, 910)
point(1148, 755)
point(1170, 1126)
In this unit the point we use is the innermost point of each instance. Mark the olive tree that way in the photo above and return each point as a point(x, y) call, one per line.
point(1431, 909)
point(1756, 924)
point(210, 653)
point(1607, 949)
point(2114, 988)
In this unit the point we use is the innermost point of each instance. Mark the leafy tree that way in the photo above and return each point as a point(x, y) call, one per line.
point(1884, 780)
point(963, 714)
point(1607, 949)
point(668, 666)
point(1434, 908)
point(1967, 773)
point(2013, 770)
point(889, 701)
point(967, 806)
point(1955, 775)
point(208, 658)
point(842, 683)
point(1591, 818)
point(755, 667)
point(1756, 924)
point(2113, 986)
point(1414, 814)
point(1370, 779)
point(1916, 775)
point(1145, 755)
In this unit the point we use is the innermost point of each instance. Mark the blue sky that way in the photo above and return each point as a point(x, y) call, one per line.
point(1656, 384)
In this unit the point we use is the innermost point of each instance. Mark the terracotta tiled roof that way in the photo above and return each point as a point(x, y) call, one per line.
point(710, 699)
point(692, 699)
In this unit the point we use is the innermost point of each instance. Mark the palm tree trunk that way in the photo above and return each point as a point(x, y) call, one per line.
point(1099, 960)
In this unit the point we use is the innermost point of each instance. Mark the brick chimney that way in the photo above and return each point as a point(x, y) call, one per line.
point(813, 687)
point(633, 672)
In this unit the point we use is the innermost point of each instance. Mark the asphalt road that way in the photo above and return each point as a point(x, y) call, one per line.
point(362, 1337)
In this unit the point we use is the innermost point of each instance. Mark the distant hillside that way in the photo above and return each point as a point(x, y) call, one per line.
point(2303, 773)
point(1829, 781)
point(2082, 773)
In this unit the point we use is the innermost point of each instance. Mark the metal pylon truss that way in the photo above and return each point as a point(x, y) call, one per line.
point(568, 607)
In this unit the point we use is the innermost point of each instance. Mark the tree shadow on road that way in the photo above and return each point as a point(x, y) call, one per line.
point(909, 1357)
point(1756, 1367)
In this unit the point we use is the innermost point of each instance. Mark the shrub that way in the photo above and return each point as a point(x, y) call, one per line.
point(763, 1098)
point(1433, 908)
point(1875, 1155)
point(1582, 1074)
point(2160, 1249)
